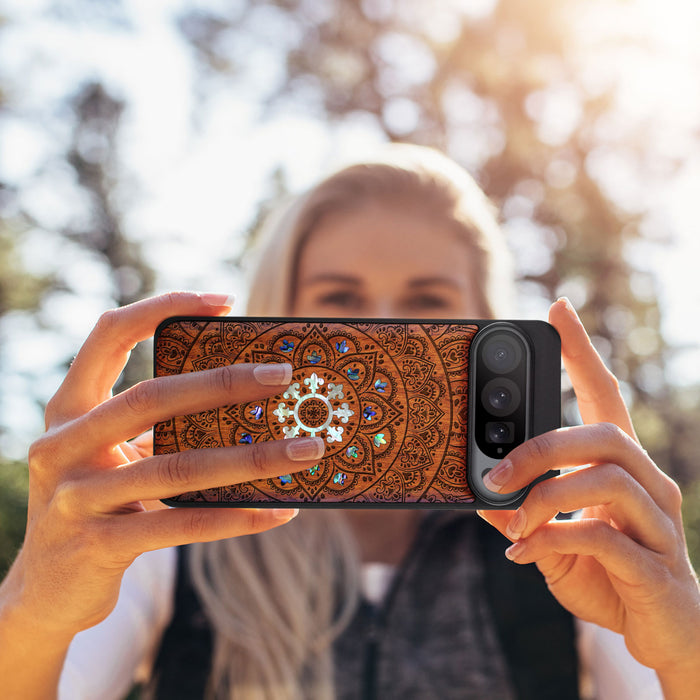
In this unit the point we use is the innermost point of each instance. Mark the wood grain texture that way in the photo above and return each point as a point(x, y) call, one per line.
point(390, 400)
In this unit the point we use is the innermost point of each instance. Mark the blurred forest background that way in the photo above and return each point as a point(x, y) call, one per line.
point(580, 119)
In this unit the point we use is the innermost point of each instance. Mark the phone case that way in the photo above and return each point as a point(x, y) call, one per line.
point(390, 399)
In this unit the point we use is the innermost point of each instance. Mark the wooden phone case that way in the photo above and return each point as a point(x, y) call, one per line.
point(389, 398)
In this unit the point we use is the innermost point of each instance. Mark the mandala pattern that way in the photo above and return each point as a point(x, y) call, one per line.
point(390, 402)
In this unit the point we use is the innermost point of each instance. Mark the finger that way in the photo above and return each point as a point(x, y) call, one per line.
point(582, 444)
point(614, 550)
point(596, 388)
point(606, 486)
point(142, 532)
point(138, 408)
point(143, 444)
point(169, 475)
point(131, 452)
point(497, 518)
point(105, 352)
point(138, 448)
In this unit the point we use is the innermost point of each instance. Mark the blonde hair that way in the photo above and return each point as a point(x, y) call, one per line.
point(277, 600)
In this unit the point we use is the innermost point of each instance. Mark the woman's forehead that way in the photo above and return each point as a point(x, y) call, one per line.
point(386, 238)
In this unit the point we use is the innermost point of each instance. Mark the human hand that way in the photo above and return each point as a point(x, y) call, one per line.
point(87, 518)
point(624, 563)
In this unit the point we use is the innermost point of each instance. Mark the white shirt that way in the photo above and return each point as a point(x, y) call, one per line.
point(104, 661)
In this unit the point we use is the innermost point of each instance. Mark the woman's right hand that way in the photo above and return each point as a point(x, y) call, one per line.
point(87, 517)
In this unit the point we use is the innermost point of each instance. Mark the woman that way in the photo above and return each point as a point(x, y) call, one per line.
point(409, 236)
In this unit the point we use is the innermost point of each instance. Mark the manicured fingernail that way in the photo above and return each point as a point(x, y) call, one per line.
point(499, 476)
point(218, 299)
point(303, 449)
point(273, 373)
point(515, 550)
point(517, 525)
point(569, 306)
point(285, 514)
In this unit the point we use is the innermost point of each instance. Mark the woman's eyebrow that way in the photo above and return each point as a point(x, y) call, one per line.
point(433, 281)
point(334, 278)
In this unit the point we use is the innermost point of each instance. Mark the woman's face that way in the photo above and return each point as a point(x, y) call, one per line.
point(385, 261)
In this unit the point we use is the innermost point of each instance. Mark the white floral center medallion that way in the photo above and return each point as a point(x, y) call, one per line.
point(311, 411)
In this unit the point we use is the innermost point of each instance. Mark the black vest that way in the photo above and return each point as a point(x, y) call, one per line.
point(534, 635)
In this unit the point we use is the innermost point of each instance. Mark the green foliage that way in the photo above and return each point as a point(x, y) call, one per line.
point(14, 484)
point(18, 289)
point(691, 521)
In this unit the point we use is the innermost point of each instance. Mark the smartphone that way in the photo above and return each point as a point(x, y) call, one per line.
point(414, 413)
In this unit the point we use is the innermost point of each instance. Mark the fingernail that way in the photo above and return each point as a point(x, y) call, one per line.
point(499, 476)
point(285, 514)
point(218, 299)
point(515, 550)
point(303, 449)
point(273, 373)
point(569, 306)
point(517, 525)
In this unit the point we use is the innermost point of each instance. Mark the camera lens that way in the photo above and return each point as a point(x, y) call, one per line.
point(502, 353)
point(500, 396)
point(499, 432)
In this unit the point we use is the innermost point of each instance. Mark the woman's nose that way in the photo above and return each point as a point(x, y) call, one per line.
point(382, 308)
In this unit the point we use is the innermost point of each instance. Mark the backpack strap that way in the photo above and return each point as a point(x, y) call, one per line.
point(536, 633)
point(183, 664)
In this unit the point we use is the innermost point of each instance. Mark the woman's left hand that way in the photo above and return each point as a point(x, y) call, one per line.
point(623, 564)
